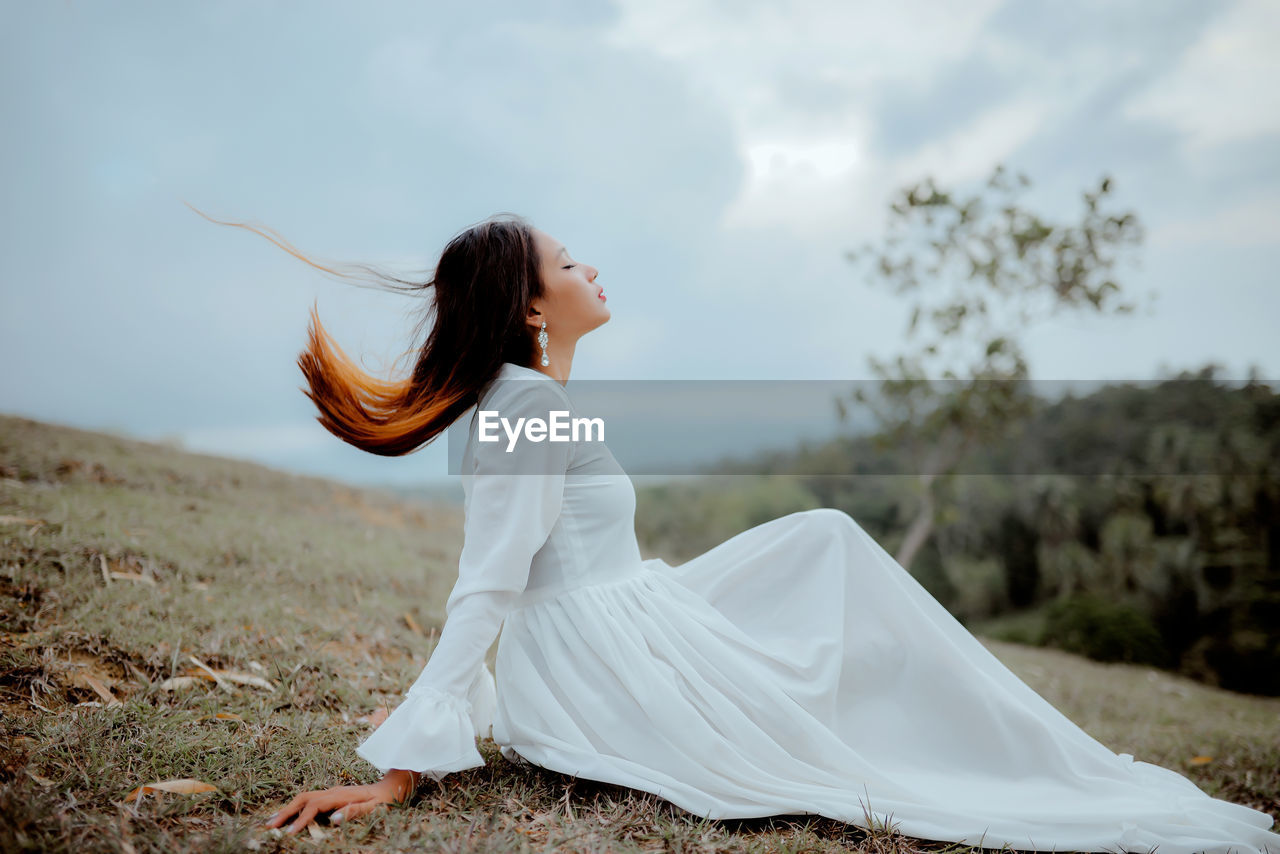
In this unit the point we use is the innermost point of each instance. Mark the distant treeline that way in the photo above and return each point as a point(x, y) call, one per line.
point(1168, 554)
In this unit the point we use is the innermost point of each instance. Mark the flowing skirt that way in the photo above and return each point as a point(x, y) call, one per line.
point(797, 668)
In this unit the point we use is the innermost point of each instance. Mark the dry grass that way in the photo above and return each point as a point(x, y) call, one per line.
point(122, 561)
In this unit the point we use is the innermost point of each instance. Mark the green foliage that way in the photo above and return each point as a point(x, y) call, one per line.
point(1024, 627)
point(1103, 629)
point(979, 584)
point(1016, 548)
point(682, 520)
point(1165, 495)
point(1068, 567)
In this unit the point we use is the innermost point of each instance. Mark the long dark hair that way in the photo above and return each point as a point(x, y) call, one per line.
point(483, 284)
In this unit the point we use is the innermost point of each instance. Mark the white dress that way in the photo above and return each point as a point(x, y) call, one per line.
point(794, 668)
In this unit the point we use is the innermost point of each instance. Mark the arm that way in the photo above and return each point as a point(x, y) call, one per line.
point(512, 504)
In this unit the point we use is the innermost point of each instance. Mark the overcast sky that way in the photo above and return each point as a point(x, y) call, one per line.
point(713, 159)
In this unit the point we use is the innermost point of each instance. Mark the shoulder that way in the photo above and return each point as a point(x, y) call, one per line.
point(505, 437)
point(527, 396)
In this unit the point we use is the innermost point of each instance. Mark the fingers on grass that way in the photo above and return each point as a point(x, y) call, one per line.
point(308, 814)
point(356, 810)
point(289, 809)
point(280, 817)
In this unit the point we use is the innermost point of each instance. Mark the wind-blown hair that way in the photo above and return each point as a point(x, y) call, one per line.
point(482, 286)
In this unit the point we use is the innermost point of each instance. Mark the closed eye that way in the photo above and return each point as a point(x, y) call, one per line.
point(568, 266)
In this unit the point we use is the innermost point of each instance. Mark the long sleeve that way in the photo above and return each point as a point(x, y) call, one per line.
point(512, 504)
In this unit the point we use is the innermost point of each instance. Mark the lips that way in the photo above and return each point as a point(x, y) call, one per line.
point(600, 294)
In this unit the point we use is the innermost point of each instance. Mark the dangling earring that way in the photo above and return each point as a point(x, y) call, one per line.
point(542, 339)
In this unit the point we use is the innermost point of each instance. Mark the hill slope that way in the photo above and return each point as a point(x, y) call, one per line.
point(124, 564)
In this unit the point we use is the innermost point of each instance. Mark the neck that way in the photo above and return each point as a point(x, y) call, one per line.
point(561, 358)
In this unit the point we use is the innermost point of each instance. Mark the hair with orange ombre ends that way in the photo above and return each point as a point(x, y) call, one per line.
point(481, 289)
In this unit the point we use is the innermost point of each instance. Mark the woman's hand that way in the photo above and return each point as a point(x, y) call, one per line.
point(346, 802)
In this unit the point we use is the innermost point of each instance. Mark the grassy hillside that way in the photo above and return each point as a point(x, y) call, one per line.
point(131, 571)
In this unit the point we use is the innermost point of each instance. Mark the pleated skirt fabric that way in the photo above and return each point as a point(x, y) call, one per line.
point(797, 668)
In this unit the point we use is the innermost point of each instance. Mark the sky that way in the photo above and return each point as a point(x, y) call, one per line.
point(714, 160)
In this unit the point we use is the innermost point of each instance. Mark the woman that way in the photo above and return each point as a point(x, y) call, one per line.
point(794, 668)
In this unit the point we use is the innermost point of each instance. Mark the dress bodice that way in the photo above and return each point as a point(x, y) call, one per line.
point(593, 538)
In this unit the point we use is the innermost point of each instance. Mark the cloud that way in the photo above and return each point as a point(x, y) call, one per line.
point(1226, 86)
point(800, 83)
point(969, 152)
point(1251, 223)
point(590, 122)
point(714, 159)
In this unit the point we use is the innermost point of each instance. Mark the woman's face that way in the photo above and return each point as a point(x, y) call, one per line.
point(573, 304)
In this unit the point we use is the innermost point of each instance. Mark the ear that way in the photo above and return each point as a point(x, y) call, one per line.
point(534, 317)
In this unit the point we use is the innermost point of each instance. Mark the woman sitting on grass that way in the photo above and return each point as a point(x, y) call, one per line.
point(794, 668)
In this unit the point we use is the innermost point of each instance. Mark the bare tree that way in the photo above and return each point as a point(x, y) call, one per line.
point(980, 270)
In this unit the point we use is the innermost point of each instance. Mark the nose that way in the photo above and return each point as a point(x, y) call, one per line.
point(594, 273)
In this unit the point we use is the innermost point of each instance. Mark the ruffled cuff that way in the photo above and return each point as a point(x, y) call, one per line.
point(430, 732)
